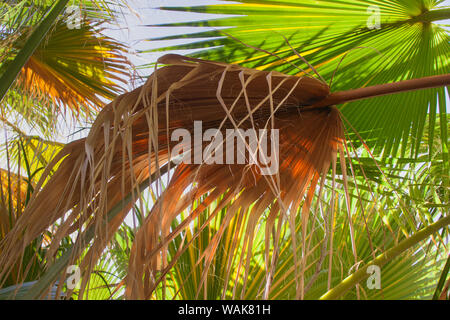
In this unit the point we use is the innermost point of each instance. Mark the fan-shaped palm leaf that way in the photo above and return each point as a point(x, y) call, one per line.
point(407, 43)
point(58, 67)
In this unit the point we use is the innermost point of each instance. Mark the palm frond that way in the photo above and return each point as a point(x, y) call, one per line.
point(337, 39)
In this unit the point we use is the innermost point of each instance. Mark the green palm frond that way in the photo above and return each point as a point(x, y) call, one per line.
point(74, 69)
point(102, 283)
point(31, 153)
point(338, 39)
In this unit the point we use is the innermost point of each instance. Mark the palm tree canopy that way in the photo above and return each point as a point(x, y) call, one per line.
point(360, 183)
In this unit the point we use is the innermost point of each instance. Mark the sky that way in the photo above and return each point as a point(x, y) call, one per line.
point(136, 33)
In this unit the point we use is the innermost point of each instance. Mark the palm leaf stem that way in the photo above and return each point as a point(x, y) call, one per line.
point(433, 15)
point(384, 89)
point(382, 259)
point(442, 279)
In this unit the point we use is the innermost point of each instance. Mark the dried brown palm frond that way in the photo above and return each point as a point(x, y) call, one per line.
point(130, 143)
